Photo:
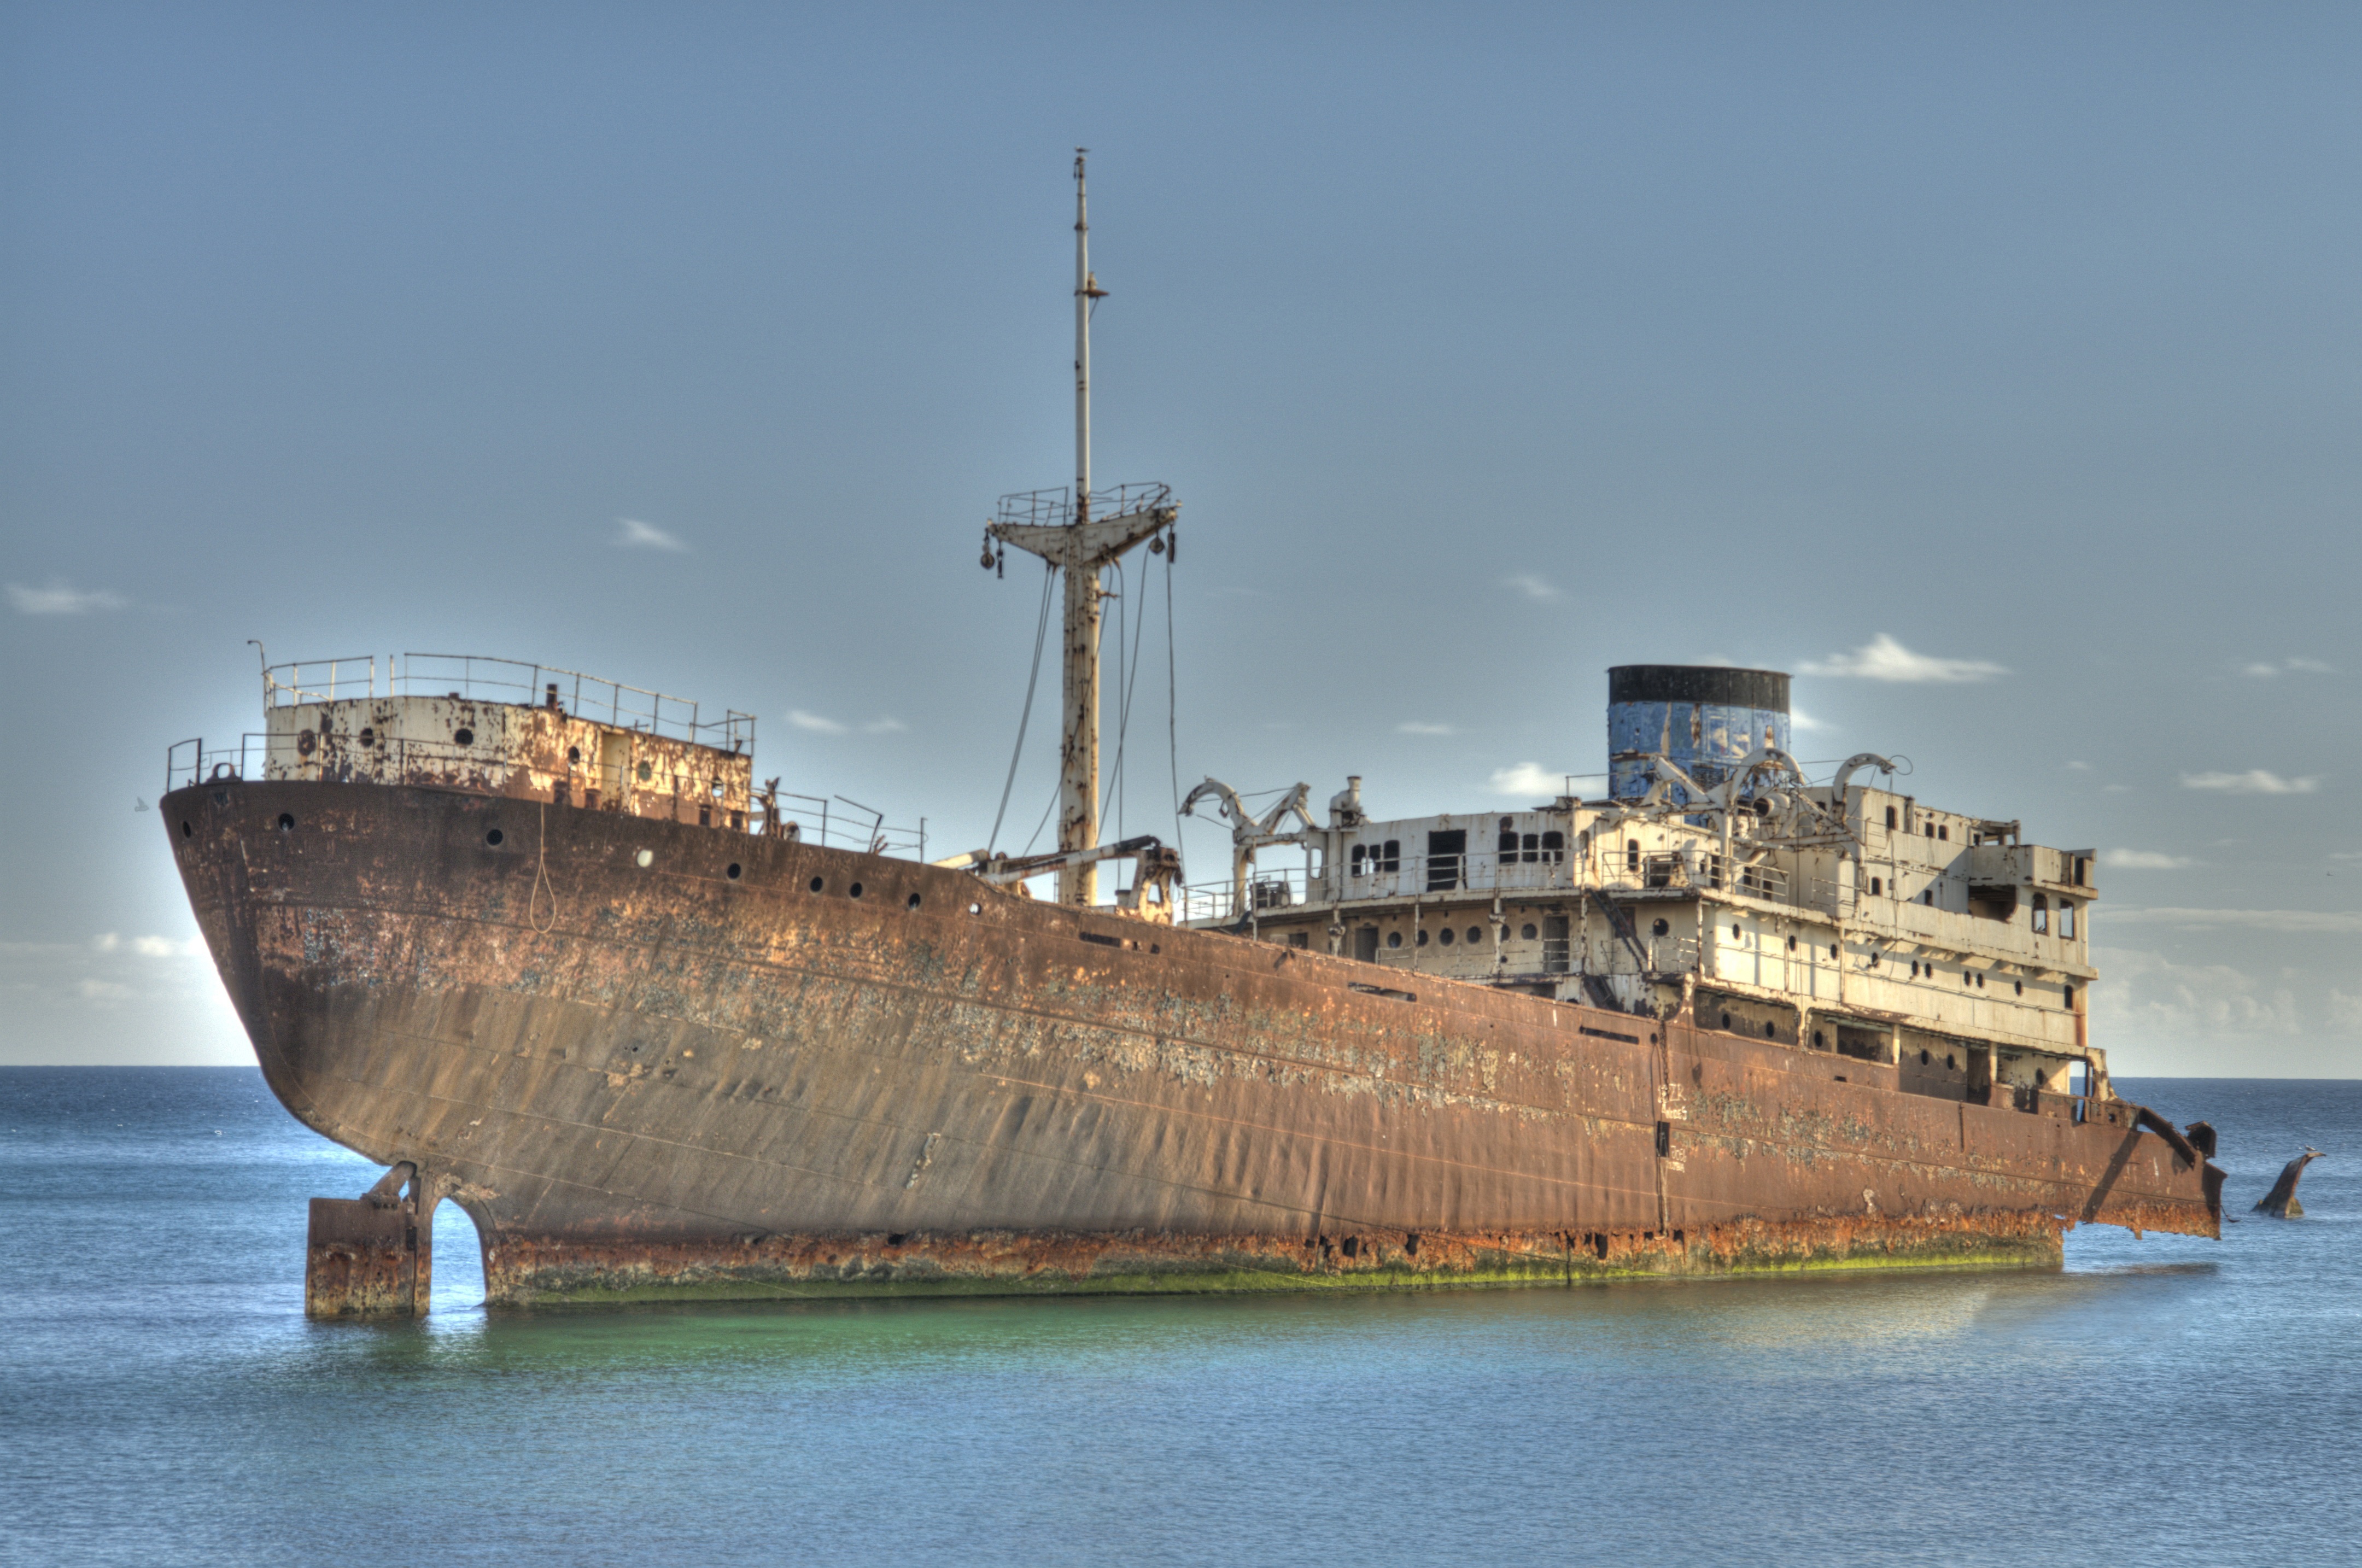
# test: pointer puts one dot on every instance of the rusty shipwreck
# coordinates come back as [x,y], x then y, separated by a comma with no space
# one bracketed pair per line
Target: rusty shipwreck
[539,944]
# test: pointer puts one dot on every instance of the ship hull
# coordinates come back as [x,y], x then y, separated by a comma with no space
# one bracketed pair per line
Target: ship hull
[825,1073]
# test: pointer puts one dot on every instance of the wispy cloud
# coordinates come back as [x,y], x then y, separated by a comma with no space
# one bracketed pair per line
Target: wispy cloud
[2255,781]
[1805,722]
[2334,922]
[150,946]
[1539,589]
[2264,669]
[631,534]
[2079,767]
[2143,860]
[62,599]
[804,721]
[1883,658]
[1529,778]
[883,726]
[1413,727]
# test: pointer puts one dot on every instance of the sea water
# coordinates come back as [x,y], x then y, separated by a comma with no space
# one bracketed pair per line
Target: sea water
[163,1400]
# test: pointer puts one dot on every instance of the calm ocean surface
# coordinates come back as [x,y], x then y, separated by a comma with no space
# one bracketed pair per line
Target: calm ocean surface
[163,1400]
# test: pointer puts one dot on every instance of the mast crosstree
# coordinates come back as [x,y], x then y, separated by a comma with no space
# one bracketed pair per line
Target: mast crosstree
[1081,537]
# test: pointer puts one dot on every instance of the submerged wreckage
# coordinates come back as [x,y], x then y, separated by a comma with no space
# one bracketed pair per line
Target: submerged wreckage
[539,944]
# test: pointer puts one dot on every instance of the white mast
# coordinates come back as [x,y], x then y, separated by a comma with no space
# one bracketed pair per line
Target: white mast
[1080,547]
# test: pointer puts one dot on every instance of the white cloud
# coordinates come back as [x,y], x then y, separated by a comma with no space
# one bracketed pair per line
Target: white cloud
[883,726]
[2264,669]
[2143,860]
[2255,781]
[1413,727]
[61,598]
[1805,722]
[2149,998]
[2079,766]
[165,947]
[1538,589]
[2287,923]
[633,534]
[2260,671]
[804,721]
[1883,658]
[1529,778]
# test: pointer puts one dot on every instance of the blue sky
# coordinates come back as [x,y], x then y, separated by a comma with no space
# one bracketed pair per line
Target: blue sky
[1994,368]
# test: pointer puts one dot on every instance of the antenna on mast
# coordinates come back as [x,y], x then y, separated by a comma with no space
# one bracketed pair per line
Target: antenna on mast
[1069,533]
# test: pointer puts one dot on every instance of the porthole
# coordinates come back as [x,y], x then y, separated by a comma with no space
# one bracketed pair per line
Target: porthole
[303,743]
[494,837]
[1659,928]
[1394,939]
[1422,938]
[912,902]
[646,772]
[854,890]
[368,738]
[1153,947]
[464,735]
[573,753]
[1527,931]
[1443,936]
[1816,1040]
[1726,1020]
[645,858]
[1923,1058]
[1948,1062]
[817,884]
[733,872]
[188,831]
[1476,936]
[1771,1032]
[286,822]
[2021,988]
[976,908]
[1736,935]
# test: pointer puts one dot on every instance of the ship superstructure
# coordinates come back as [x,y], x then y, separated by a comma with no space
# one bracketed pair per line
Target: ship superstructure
[1715,881]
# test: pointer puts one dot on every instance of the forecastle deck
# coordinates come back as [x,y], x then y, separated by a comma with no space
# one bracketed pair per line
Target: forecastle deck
[760,1067]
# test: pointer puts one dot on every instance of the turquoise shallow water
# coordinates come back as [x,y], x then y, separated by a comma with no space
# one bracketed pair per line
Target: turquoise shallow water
[163,1400]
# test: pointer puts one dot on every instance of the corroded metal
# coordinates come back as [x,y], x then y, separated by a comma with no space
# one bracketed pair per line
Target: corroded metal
[757,1065]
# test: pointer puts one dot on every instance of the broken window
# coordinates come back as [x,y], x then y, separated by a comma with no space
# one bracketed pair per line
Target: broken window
[1553,847]
[1445,851]
[2041,915]
[1945,833]
[1361,855]
[1891,819]
[1392,859]
[2066,920]
[1557,948]
[1631,854]
[1508,847]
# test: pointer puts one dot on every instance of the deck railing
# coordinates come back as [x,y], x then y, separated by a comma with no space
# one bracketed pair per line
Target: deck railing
[476,677]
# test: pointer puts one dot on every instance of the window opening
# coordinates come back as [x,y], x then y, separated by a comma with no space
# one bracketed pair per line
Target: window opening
[2041,915]
[1891,819]
[1553,847]
[2066,920]
[1445,851]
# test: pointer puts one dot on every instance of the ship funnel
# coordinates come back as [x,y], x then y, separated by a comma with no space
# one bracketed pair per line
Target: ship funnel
[1704,719]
